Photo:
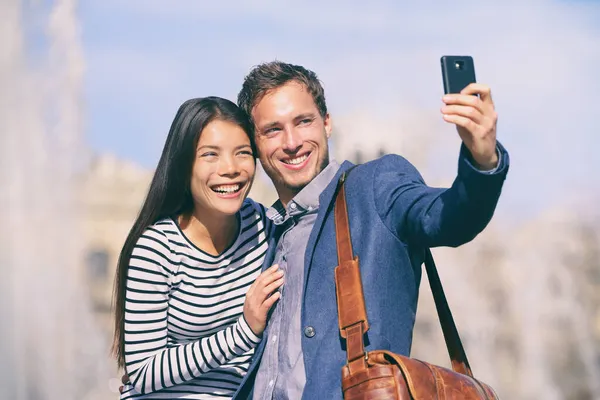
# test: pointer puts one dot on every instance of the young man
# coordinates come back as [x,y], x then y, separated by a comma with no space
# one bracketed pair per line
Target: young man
[393,217]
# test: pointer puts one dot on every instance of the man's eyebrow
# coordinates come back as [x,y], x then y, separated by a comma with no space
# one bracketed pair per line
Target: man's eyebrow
[304,116]
[296,119]
[270,125]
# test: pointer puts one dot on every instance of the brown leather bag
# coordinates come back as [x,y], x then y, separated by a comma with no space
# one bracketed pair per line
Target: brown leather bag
[382,374]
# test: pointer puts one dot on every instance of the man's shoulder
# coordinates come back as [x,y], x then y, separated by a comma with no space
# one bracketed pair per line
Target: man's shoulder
[386,163]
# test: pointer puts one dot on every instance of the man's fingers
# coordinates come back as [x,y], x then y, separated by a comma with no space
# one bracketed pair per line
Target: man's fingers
[463,111]
[484,92]
[463,122]
[464,100]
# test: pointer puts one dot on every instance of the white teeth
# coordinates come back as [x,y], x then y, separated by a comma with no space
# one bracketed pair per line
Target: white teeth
[296,161]
[227,188]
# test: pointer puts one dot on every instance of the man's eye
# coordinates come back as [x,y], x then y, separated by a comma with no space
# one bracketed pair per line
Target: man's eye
[306,121]
[271,130]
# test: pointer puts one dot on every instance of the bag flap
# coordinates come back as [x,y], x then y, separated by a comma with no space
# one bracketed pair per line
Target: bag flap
[424,379]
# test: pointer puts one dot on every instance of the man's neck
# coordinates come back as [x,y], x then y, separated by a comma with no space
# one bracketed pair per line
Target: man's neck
[286,195]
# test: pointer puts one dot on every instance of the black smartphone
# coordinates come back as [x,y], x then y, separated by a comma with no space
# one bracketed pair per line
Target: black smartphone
[457,73]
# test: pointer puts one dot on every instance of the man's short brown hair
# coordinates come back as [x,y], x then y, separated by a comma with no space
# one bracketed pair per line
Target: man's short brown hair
[268,76]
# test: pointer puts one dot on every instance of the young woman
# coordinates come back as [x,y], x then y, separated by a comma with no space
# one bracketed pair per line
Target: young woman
[190,300]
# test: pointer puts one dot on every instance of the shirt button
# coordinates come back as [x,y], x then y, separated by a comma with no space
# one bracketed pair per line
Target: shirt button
[271,382]
[309,331]
[274,339]
[293,206]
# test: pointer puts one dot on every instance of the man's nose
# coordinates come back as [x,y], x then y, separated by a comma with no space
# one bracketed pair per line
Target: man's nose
[291,140]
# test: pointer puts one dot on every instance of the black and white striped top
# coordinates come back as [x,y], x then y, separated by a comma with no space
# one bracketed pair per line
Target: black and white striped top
[185,334]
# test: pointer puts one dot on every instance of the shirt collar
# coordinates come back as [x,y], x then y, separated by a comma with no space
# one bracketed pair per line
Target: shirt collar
[307,200]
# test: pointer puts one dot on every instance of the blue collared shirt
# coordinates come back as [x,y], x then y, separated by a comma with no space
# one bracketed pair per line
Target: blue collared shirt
[281,373]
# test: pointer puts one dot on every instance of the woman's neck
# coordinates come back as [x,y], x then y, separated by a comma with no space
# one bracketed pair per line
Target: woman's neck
[212,234]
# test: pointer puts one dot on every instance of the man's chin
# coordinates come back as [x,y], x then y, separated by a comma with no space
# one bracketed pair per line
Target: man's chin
[292,182]
[296,185]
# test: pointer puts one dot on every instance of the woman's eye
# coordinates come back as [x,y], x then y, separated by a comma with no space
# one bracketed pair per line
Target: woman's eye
[209,154]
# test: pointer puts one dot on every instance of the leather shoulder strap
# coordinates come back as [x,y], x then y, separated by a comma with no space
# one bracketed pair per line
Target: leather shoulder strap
[352,315]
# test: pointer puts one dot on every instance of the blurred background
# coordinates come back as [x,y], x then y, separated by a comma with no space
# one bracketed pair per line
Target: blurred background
[87,94]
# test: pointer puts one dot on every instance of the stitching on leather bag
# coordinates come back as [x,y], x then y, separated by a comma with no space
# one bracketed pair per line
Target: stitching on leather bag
[439,381]
[480,388]
[433,373]
[477,385]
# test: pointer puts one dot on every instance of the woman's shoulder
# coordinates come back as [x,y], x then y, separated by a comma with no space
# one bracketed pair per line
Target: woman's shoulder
[158,233]
[255,213]
[250,206]
[162,227]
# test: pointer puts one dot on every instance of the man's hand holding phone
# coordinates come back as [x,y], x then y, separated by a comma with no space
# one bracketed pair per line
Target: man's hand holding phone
[469,106]
[475,118]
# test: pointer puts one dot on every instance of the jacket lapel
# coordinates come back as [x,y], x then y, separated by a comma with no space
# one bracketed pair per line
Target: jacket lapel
[325,200]
[270,256]
[268,261]
[273,239]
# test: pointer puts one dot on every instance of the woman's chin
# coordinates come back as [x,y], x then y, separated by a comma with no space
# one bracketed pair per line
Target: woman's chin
[228,207]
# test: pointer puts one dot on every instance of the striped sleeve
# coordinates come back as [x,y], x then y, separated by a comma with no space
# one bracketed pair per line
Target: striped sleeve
[150,363]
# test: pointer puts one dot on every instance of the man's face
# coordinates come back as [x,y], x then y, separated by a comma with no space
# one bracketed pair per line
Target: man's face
[291,137]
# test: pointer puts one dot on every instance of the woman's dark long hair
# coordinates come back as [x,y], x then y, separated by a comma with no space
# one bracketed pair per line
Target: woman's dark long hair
[169,194]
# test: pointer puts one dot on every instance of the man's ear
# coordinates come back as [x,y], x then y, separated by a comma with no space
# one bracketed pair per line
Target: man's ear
[328,125]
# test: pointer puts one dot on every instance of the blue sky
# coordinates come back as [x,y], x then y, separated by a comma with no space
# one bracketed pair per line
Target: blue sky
[380,66]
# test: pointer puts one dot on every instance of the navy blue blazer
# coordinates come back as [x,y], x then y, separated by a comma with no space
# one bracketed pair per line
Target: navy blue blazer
[393,218]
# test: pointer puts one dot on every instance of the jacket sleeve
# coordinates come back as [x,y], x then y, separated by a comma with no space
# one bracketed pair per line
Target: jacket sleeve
[431,217]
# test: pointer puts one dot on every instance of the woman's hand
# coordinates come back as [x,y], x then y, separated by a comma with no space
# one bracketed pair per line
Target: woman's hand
[260,298]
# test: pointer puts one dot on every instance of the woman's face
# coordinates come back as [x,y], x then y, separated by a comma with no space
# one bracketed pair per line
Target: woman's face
[223,169]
